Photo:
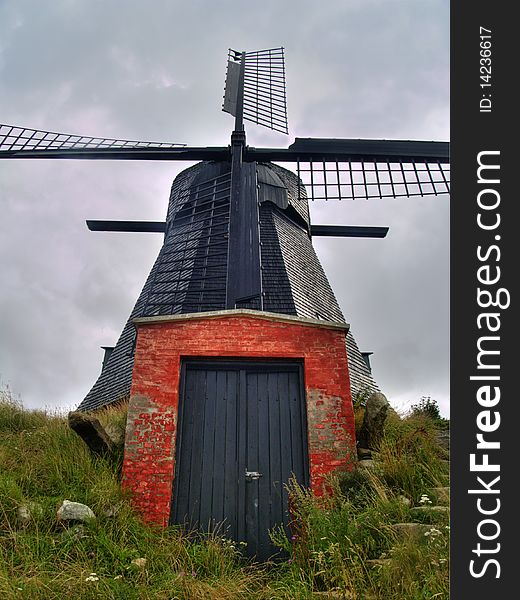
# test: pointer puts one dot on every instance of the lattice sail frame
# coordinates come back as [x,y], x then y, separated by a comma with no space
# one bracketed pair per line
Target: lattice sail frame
[14,138]
[264,92]
[349,180]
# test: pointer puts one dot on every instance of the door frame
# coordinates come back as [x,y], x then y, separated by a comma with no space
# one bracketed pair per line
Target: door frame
[295,364]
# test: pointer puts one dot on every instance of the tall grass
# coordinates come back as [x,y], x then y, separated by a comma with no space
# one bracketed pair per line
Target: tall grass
[42,462]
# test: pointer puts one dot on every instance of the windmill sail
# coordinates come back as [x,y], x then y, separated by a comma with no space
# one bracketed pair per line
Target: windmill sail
[15,139]
[350,169]
[226,248]
[330,169]
[231,89]
[255,88]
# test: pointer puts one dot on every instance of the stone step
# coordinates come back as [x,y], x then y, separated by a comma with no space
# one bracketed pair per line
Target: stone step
[414,531]
[430,510]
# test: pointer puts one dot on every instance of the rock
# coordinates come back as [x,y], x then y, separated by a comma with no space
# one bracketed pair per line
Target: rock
[411,530]
[116,434]
[430,510]
[366,464]
[91,432]
[75,511]
[75,533]
[376,411]
[404,500]
[139,562]
[29,512]
[364,453]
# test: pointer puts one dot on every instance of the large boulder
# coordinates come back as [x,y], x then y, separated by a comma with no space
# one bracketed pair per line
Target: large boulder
[91,432]
[376,411]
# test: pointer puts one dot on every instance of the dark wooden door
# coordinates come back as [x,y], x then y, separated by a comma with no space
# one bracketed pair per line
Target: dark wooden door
[242,433]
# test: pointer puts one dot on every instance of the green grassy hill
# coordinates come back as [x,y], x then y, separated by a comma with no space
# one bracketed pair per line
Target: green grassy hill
[344,545]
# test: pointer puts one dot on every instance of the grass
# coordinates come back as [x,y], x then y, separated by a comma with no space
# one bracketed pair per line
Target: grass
[42,462]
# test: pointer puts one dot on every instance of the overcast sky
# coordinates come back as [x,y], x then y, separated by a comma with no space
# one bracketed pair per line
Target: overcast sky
[155,71]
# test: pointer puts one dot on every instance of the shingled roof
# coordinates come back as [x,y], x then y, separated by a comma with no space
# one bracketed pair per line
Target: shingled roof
[189,274]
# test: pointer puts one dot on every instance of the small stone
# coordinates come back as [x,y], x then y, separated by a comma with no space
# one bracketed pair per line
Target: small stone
[364,453]
[411,530]
[404,500]
[366,464]
[29,511]
[139,562]
[76,533]
[74,511]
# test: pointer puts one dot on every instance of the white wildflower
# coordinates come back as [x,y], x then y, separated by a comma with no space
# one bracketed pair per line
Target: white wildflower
[434,532]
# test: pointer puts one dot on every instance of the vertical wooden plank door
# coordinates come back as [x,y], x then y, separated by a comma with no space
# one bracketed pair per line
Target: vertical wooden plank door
[242,433]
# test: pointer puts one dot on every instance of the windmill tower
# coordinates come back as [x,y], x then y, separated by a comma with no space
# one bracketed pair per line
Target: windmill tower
[238,362]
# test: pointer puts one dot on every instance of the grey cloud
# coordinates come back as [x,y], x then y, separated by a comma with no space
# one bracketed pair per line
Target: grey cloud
[155,71]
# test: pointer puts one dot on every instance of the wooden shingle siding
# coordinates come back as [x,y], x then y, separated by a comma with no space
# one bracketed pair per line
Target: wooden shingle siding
[293,279]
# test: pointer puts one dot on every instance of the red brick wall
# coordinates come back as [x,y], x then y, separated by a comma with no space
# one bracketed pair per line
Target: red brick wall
[148,467]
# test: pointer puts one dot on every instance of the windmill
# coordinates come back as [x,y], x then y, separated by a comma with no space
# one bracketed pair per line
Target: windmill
[238,238]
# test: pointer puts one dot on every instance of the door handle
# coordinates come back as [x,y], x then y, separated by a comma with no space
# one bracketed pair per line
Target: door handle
[252,475]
